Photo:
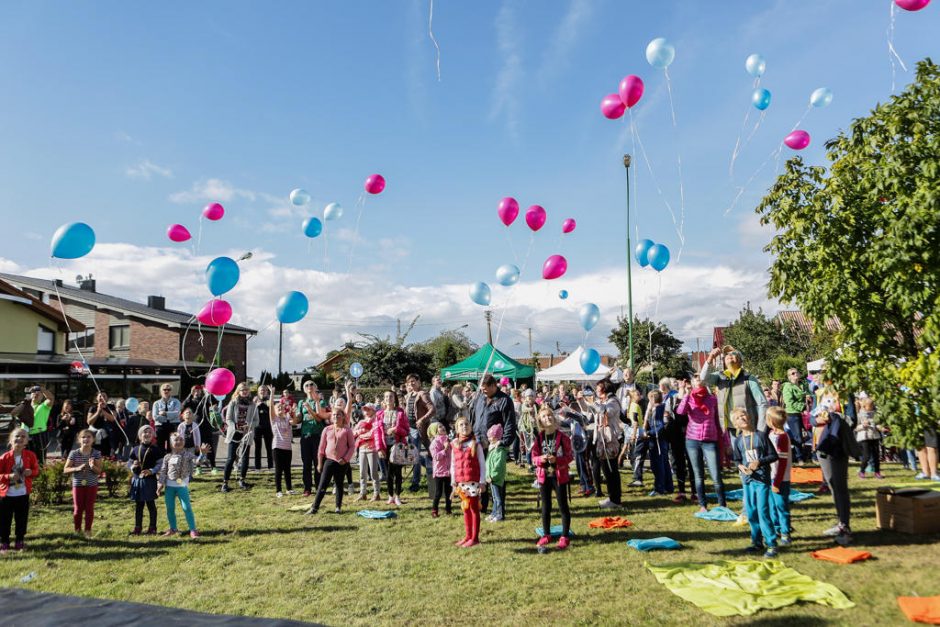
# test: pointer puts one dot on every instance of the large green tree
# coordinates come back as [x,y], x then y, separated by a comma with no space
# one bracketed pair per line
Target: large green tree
[653,345]
[859,241]
[387,362]
[762,340]
[447,348]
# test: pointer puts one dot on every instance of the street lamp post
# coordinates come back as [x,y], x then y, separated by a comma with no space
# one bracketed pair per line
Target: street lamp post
[626,165]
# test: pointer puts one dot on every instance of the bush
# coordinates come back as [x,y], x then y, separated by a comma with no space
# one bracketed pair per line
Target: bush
[52,486]
[782,363]
[116,475]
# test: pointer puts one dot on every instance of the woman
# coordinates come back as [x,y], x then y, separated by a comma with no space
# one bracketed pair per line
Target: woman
[702,437]
[241,418]
[120,441]
[312,415]
[101,419]
[395,427]
[67,428]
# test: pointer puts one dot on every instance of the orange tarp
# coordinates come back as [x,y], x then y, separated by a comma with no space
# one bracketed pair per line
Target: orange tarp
[921,609]
[841,555]
[609,522]
[805,475]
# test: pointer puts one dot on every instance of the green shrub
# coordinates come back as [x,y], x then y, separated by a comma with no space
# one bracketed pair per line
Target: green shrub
[116,477]
[51,484]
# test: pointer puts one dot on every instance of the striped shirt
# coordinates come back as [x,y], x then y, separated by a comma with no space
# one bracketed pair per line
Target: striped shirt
[83,478]
[281,430]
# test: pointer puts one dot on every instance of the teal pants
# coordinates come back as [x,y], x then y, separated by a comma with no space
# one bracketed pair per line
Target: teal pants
[758,509]
[170,496]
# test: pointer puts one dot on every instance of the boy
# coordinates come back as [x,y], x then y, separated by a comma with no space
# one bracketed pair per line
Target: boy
[780,473]
[753,454]
[496,472]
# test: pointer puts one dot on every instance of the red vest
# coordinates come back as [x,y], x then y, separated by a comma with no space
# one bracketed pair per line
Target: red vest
[466,464]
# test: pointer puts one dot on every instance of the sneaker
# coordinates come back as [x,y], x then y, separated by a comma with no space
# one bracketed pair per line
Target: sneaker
[844,538]
[920,475]
[752,550]
[862,475]
[653,493]
[152,531]
[784,539]
[19,546]
[306,493]
[434,513]
[390,501]
[224,488]
[398,501]
[360,497]
[741,521]
[878,475]
[337,511]
[771,552]
[193,533]
[490,518]
[169,533]
[198,471]
[535,484]
[279,494]
[588,492]
[832,531]
[935,478]
[607,504]
[679,498]
[374,497]
[543,541]
[414,487]
[215,471]
[702,510]
[563,542]
[243,486]
[135,532]
[635,484]
[470,543]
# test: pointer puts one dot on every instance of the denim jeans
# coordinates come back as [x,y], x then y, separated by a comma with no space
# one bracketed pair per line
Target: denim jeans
[795,431]
[243,462]
[414,437]
[757,507]
[499,498]
[701,453]
[659,462]
[584,475]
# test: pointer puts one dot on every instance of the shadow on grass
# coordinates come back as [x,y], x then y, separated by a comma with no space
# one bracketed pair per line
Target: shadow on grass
[779,621]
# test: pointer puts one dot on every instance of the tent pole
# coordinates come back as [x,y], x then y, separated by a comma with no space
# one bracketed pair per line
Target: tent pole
[626,165]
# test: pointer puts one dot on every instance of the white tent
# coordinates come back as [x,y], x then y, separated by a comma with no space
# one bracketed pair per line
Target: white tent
[570,370]
[815,366]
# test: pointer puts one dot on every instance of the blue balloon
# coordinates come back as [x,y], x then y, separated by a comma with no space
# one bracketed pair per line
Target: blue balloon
[821,97]
[590,361]
[221,275]
[659,257]
[755,65]
[507,274]
[299,197]
[333,211]
[761,98]
[72,240]
[355,370]
[641,251]
[312,227]
[563,294]
[589,314]
[660,53]
[131,404]
[480,293]
[292,307]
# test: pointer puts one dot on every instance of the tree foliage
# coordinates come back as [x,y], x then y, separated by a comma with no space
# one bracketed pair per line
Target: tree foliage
[859,240]
[653,345]
[761,341]
[447,348]
[386,362]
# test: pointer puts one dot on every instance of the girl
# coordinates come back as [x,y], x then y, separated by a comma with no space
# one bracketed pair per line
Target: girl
[868,435]
[66,428]
[527,426]
[395,430]
[551,454]
[189,431]
[337,447]
[18,466]
[241,418]
[282,430]
[702,438]
[468,475]
[654,425]
[753,454]
[84,464]
[496,472]
[366,433]
[440,461]
[144,462]
[174,475]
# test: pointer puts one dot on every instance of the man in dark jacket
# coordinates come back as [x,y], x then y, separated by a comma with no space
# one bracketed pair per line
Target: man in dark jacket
[491,406]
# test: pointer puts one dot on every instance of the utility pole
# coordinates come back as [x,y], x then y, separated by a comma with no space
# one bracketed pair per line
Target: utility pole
[531,355]
[626,166]
[398,332]
[489,327]
[280,346]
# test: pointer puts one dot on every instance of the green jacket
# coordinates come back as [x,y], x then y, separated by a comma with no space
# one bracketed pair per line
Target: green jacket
[496,465]
[794,398]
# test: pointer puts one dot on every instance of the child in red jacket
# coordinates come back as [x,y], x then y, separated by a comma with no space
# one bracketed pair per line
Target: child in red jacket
[468,476]
[551,454]
[18,466]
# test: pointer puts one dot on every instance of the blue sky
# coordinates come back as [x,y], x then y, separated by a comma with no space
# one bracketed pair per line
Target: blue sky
[131,116]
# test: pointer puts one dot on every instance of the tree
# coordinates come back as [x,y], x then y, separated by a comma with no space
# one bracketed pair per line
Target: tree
[653,345]
[447,348]
[759,339]
[385,362]
[859,240]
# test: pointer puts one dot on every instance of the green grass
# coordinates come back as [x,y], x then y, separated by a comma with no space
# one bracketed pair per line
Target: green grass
[256,558]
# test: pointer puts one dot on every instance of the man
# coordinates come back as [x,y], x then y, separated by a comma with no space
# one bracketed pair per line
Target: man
[101,419]
[420,412]
[491,406]
[201,404]
[795,397]
[263,433]
[166,415]
[627,383]
[736,388]
[608,424]
[41,400]
[313,415]
[440,401]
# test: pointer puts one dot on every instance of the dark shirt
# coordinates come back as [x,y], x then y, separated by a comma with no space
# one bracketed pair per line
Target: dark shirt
[498,411]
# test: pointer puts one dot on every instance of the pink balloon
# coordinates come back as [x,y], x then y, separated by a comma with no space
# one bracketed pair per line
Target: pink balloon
[220,381]
[375,184]
[797,140]
[912,5]
[631,90]
[213,211]
[504,381]
[215,313]
[568,225]
[178,233]
[535,217]
[554,267]
[612,106]
[508,210]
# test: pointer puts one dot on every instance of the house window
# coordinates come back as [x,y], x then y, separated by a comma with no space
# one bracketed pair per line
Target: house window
[45,343]
[120,337]
[81,339]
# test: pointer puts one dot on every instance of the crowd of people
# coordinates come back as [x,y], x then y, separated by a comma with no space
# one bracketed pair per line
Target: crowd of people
[462,439]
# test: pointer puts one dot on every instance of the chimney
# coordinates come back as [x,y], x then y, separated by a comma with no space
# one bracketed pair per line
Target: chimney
[156,302]
[59,283]
[87,284]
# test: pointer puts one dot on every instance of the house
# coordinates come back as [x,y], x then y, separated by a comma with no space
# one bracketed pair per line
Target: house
[130,348]
[333,366]
[799,319]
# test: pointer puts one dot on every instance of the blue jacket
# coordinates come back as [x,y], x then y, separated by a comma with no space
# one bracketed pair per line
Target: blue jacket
[764,452]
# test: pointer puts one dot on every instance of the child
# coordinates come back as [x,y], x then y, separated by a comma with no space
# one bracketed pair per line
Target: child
[18,466]
[192,441]
[496,472]
[753,454]
[654,424]
[173,477]
[144,462]
[337,446]
[439,449]
[84,464]
[468,476]
[282,422]
[868,435]
[780,473]
[365,434]
[395,430]
[551,454]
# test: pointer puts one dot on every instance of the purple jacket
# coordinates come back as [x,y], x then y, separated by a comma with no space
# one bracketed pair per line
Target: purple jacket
[702,426]
[440,455]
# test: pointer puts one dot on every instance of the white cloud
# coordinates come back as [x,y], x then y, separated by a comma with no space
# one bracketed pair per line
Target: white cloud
[146,169]
[509,78]
[122,136]
[566,37]
[212,189]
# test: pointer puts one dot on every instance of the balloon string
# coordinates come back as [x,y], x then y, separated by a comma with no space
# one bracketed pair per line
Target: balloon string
[633,188]
[433,40]
[757,124]
[675,128]
[737,144]
[892,53]
[360,203]
[659,190]
[199,236]
[512,248]
[773,155]
[68,327]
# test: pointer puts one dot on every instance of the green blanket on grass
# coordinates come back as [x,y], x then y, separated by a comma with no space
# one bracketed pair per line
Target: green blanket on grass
[730,588]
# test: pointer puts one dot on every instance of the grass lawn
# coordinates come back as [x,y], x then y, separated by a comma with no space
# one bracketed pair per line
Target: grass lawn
[257,558]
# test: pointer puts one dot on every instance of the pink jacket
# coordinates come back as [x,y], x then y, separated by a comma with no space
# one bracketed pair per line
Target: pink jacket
[703,426]
[401,429]
[366,431]
[563,457]
[440,455]
[337,445]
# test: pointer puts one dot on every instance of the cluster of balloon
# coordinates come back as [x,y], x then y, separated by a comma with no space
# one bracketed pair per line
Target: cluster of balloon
[507,274]
[589,314]
[629,93]
[179,233]
[220,381]
[292,307]
[590,361]
[72,240]
[649,253]
[912,5]
[480,293]
[215,313]
[355,370]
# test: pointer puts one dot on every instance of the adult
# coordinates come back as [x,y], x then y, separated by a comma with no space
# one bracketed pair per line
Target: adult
[625,378]
[420,410]
[441,401]
[263,434]
[774,394]
[736,387]
[313,414]
[166,416]
[241,418]
[927,456]
[120,440]
[585,409]
[834,445]
[68,428]
[100,420]
[674,432]
[395,430]
[202,404]
[702,437]
[607,436]
[795,397]
[493,407]
[132,423]
[41,400]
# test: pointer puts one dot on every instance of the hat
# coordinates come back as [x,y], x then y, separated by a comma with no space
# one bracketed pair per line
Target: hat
[530,393]
[495,433]
[434,429]
[369,406]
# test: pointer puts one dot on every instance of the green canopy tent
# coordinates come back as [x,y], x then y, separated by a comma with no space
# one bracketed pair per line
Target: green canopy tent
[500,365]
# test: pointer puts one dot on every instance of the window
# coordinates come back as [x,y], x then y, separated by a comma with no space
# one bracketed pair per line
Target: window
[120,337]
[45,343]
[82,339]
